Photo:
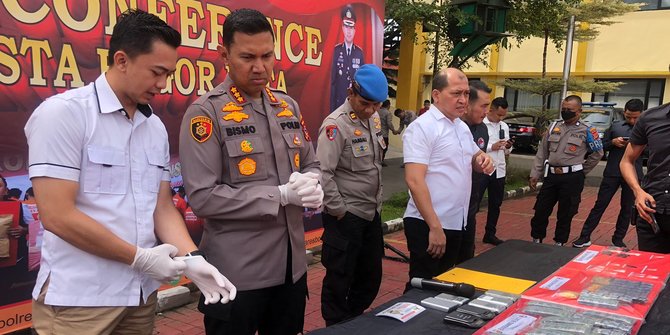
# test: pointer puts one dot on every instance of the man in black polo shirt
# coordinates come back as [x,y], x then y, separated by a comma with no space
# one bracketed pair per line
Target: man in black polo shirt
[651,199]
[615,141]
[478,105]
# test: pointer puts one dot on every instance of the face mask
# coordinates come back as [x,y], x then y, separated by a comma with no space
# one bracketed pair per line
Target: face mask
[567,114]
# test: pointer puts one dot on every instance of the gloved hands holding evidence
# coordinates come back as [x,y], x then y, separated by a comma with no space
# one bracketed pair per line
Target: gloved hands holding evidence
[158,264]
[212,284]
[302,189]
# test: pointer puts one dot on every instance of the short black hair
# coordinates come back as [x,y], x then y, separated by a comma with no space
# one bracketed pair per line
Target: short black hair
[245,20]
[386,103]
[634,105]
[499,102]
[29,193]
[574,98]
[397,112]
[136,30]
[14,193]
[475,87]
[426,102]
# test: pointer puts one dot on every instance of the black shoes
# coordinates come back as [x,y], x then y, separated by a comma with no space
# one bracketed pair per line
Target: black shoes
[492,240]
[581,242]
[618,243]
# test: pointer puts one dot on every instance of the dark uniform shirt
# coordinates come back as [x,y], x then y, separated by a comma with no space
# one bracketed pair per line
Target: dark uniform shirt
[653,130]
[343,70]
[618,129]
[480,135]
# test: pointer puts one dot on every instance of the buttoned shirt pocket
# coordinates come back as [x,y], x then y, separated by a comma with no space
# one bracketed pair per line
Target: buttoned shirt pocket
[295,142]
[553,140]
[106,170]
[362,154]
[154,171]
[573,146]
[247,159]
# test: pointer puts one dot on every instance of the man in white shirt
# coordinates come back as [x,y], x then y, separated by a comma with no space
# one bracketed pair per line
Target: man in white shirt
[98,161]
[439,156]
[498,148]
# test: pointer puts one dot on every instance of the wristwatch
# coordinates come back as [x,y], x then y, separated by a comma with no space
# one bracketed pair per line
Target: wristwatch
[196,253]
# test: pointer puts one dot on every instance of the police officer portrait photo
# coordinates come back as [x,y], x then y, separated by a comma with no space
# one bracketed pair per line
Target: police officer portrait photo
[347,59]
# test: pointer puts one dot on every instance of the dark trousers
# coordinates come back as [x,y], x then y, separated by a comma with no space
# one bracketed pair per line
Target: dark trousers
[423,265]
[496,187]
[648,241]
[386,140]
[468,240]
[352,255]
[277,310]
[566,189]
[608,188]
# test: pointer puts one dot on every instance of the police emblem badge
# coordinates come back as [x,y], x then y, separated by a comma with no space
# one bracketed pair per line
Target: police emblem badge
[247,167]
[201,128]
[246,146]
[331,132]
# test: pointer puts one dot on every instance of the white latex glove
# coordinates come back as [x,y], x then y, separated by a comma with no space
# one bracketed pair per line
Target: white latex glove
[298,180]
[312,197]
[212,284]
[289,195]
[158,264]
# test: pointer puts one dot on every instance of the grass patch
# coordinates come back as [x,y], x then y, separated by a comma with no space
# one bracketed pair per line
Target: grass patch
[516,178]
[394,207]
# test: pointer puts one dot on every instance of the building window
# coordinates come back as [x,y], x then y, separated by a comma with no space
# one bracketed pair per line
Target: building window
[523,100]
[651,4]
[648,90]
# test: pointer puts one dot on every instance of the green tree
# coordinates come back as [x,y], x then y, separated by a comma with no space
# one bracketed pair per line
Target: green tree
[548,19]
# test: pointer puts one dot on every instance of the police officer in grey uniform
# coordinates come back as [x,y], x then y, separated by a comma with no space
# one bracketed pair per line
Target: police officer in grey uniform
[387,124]
[350,151]
[561,162]
[347,58]
[250,169]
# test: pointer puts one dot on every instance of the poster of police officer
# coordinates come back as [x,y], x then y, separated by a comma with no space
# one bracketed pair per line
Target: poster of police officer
[48,47]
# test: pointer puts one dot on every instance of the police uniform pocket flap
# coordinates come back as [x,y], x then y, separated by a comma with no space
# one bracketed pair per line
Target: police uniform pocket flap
[244,146]
[575,140]
[106,156]
[554,137]
[361,147]
[293,140]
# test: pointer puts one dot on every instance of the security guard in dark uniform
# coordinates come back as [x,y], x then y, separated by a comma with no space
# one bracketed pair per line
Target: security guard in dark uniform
[561,161]
[350,149]
[347,58]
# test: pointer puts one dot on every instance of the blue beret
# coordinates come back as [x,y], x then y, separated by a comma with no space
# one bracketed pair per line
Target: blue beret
[372,83]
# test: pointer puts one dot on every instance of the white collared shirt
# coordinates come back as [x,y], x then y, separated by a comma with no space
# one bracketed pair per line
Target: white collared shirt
[446,147]
[494,136]
[86,137]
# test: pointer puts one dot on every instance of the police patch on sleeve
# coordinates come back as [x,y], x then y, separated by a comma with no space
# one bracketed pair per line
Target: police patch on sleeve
[593,139]
[331,132]
[201,128]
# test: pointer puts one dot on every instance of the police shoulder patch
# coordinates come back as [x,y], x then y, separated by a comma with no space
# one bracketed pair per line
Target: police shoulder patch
[201,128]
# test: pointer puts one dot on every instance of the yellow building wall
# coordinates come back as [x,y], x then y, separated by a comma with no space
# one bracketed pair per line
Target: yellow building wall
[635,47]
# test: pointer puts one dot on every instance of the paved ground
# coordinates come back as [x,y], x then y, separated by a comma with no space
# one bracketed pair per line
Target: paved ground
[514,223]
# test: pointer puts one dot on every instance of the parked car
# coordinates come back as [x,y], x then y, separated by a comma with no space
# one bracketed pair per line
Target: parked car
[600,115]
[523,130]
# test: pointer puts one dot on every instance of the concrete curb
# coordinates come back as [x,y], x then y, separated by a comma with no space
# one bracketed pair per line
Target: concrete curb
[181,295]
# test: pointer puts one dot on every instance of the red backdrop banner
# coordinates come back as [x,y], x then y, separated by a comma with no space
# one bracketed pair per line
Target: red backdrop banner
[47,47]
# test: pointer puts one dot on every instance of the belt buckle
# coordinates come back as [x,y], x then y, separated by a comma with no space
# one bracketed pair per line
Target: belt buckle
[558,170]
